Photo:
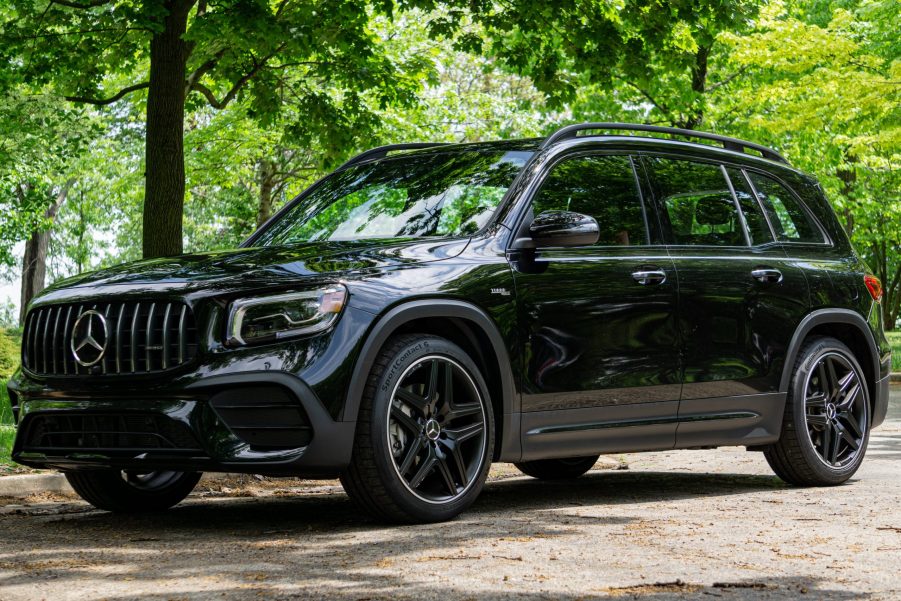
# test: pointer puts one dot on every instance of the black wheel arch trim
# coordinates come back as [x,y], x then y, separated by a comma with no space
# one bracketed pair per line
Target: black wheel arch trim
[825,317]
[388,323]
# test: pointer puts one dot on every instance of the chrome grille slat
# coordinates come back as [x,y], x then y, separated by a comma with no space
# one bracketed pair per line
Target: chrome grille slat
[118,341]
[45,346]
[182,337]
[148,337]
[110,341]
[165,359]
[53,351]
[65,348]
[34,339]
[133,339]
[141,338]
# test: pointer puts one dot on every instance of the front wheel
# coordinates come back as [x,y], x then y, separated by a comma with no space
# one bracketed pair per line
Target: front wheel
[132,492]
[826,425]
[425,433]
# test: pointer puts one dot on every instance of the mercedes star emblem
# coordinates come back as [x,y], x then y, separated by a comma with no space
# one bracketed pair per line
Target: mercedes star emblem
[89,337]
[432,429]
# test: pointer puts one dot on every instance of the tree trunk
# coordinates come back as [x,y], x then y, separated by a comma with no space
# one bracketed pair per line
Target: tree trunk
[164,188]
[267,177]
[34,263]
[699,86]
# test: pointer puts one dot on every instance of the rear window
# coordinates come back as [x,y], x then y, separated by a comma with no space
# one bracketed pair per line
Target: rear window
[790,221]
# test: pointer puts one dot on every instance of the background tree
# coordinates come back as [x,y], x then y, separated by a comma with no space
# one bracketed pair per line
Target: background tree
[823,83]
[41,145]
[319,57]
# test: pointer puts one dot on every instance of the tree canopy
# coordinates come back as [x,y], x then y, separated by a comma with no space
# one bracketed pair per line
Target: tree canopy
[186,123]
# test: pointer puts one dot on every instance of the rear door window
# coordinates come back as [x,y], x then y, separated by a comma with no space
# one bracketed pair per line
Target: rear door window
[696,200]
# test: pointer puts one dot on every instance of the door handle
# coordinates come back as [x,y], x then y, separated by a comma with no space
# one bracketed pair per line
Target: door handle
[767,275]
[649,277]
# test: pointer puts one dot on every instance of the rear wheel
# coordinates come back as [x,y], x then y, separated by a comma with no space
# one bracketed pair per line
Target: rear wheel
[826,425]
[132,492]
[557,469]
[425,433]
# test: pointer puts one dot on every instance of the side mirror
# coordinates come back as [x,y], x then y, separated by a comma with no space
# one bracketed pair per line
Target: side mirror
[560,228]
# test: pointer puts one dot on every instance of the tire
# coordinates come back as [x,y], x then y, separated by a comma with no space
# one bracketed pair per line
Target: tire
[122,492]
[826,425]
[422,448]
[557,469]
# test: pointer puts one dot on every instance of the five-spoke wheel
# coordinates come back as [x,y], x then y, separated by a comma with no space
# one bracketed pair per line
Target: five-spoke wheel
[425,433]
[827,417]
[436,429]
[836,410]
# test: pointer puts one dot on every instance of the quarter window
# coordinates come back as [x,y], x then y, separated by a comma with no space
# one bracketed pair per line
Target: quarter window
[696,200]
[789,219]
[603,187]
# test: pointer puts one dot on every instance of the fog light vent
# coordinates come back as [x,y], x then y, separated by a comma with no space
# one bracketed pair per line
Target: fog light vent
[265,417]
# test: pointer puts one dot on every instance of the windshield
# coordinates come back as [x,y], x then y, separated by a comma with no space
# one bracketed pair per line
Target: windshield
[438,194]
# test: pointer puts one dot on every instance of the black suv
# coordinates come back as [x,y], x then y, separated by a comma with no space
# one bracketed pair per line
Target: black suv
[427,309]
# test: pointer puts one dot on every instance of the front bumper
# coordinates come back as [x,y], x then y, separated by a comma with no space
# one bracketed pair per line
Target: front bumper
[258,422]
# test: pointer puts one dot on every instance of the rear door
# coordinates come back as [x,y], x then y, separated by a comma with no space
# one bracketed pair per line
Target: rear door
[738,301]
[602,361]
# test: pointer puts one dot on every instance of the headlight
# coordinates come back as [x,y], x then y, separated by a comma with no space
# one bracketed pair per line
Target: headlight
[270,318]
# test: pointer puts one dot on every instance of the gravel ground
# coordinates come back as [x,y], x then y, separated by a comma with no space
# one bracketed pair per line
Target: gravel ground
[687,524]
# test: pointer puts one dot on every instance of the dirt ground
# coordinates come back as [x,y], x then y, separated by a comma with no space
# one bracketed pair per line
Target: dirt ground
[687,524]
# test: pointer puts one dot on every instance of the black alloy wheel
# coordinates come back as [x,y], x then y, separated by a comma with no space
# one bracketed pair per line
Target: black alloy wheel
[836,410]
[436,429]
[425,433]
[826,424]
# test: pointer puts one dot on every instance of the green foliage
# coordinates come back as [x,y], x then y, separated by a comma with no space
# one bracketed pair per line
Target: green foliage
[7,429]
[10,341]
[40,140]
[821,84]
[894,339]
[6,413]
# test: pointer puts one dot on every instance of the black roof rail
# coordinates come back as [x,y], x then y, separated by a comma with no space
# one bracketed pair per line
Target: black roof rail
[381,152]
[571,131]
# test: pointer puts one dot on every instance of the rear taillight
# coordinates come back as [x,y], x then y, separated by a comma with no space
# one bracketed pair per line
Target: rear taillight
[874,286]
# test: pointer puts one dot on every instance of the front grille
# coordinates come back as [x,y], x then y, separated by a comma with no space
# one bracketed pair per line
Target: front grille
[141,337]
[106,432]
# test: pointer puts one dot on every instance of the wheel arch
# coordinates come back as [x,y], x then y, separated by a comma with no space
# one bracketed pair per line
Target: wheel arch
[466,325]
[846,326]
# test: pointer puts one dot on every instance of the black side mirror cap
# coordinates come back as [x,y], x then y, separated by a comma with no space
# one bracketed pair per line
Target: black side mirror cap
[560,228]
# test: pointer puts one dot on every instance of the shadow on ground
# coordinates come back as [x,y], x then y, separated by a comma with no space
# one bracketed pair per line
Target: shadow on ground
[318,545]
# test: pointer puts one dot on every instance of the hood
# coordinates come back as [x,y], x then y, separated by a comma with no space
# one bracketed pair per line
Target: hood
[258,267]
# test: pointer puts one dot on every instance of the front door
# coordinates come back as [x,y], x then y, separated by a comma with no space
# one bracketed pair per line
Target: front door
[601,369]
[739,300]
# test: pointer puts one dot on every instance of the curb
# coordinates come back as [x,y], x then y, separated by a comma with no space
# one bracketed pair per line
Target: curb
[895,377]
[32,484]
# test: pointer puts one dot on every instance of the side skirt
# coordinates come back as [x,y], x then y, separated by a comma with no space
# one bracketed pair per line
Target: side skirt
[722,421]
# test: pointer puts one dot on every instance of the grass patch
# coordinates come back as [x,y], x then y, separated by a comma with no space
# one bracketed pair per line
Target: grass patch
[894,339]
[7,435]
[7,429]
